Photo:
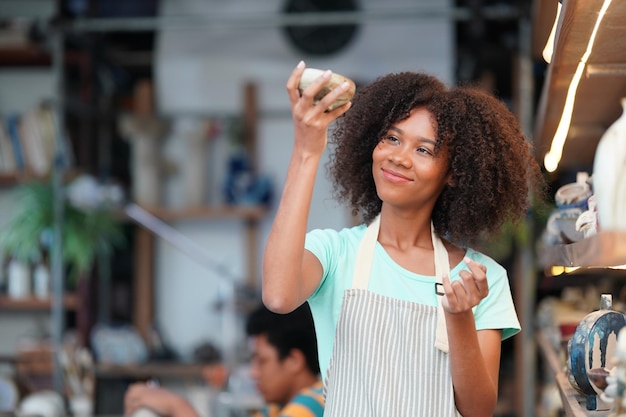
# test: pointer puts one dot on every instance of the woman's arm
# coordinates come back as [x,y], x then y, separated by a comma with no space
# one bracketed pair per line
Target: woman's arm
[475,364]
[291,274]
[474,356]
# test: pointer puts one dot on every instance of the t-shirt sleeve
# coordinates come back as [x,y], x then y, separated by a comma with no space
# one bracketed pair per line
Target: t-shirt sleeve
[497,310]
[324,244]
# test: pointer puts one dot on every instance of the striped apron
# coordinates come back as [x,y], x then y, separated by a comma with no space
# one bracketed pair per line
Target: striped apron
[384,361]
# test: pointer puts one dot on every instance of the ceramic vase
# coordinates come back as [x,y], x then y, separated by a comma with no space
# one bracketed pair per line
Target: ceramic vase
[195,165]
[591,348]
[146,170]
[617,380]
[41,281]
[145,134]
[18,279]
[609,175]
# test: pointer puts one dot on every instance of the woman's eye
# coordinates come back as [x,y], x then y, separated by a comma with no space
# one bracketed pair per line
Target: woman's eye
[391,138]
[424,150]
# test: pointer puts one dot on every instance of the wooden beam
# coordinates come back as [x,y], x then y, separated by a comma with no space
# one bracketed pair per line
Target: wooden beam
[143,285]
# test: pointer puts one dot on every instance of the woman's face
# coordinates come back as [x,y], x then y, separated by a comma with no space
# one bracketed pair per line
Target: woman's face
[407,172]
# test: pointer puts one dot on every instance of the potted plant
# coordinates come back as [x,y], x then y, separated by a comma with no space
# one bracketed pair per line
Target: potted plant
[86,233]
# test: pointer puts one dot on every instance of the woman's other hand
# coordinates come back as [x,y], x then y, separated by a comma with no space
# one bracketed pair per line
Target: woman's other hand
[465,293]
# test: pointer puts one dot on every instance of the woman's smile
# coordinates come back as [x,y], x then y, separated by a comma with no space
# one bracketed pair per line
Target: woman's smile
[394,176]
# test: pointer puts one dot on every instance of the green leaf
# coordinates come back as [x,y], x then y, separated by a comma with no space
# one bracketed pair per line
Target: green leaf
[86,234]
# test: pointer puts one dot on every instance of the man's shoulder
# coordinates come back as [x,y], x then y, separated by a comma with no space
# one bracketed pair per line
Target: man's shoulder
[313,390]
[309,402]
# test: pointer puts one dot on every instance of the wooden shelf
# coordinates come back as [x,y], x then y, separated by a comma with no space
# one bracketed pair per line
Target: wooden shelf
[70,302]
[208,212]
[605,249]
[150,370]
[573,401]
[601,86]
[24,56]
[34,56]
[9,179]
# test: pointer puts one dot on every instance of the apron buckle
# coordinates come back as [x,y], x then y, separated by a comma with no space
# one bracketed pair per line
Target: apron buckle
[437,290]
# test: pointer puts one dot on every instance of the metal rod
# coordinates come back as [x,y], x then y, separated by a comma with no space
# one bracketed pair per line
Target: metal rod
[525,281]
[277,19]
[179,241]
[57,322]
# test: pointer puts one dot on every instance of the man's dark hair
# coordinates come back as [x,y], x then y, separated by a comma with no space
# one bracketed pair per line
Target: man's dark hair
[285,332]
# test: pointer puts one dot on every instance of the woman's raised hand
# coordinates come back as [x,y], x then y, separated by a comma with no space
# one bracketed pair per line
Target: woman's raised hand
[311,120]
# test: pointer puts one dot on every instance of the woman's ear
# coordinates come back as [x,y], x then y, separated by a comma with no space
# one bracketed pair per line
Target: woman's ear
[450,182]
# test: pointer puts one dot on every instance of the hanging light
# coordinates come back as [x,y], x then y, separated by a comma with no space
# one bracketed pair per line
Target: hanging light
[553,157]
[549,48]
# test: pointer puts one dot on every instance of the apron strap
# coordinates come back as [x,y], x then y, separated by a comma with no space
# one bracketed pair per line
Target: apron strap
[363,268]
[442,268]
[365,256]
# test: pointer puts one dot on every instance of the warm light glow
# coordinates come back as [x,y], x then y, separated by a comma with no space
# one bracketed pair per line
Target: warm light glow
[549,48]
[557,270]
[560,270]
[553,157]
[550,162]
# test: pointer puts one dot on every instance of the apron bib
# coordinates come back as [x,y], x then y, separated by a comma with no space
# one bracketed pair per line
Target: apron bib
[390,356]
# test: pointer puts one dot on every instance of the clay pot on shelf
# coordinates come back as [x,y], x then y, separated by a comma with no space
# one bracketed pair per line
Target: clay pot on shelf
[591,348]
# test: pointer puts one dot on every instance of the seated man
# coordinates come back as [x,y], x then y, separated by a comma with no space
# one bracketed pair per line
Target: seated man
[284,366]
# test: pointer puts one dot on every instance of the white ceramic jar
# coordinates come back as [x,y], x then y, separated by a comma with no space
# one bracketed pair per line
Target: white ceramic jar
[18,279]
[609,175]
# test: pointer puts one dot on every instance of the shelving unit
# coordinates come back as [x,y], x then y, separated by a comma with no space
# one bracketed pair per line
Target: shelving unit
[247,213]
[250,216]
[58,60]
[601,65]
[143,313]
[606,249]
[27,56]
[603,250]
[603,81]
[573,402]
[153,370]
[70,303]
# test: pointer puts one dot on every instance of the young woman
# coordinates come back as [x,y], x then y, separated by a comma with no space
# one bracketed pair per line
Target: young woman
[409,319]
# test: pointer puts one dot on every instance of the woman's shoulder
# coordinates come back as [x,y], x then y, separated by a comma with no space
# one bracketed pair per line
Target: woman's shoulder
[347,234]
[493,267]
[331,246]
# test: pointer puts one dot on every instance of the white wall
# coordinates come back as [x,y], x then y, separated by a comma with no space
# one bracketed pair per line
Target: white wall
[202,72]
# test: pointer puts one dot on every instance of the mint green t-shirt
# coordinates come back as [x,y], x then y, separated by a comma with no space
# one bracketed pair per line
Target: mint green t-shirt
[336,251]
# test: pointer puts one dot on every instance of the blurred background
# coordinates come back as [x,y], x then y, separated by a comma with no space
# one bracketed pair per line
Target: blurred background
[167,123]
